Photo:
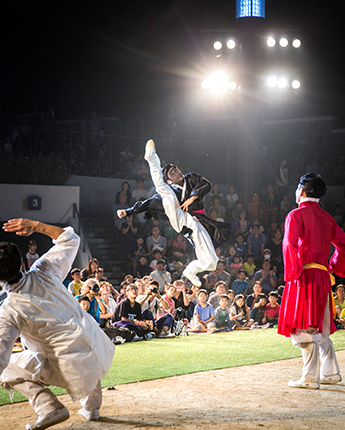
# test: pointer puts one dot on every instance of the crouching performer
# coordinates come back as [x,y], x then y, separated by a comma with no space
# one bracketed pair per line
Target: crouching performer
[307,307]
[64,345]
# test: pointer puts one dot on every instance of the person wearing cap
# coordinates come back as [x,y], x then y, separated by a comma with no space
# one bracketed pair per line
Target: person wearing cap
[307,308]
[63,342]
[180,199]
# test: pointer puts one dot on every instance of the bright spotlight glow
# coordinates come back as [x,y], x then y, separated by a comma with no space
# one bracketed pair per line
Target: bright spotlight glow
[296,43]
[272,82]
[217,45]
[271,42]
[231,44]
[205,85]
[232,85]
[219,83]
[283,42]
[295,84]
[281,83]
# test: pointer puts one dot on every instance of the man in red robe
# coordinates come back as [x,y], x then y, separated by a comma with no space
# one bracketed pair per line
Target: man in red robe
[307,306]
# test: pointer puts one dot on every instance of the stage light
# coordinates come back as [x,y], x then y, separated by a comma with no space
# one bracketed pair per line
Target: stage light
[281,83]
[232,85]
[231,44]
[272,82]
[296,84]
[217,45]
[296,43]
[205,85]
[219,83]
[283,42]
[271,42]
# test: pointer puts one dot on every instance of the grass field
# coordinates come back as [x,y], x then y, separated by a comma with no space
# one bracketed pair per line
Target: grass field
[160,358]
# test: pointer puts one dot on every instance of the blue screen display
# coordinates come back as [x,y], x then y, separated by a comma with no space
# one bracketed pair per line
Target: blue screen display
[247,8]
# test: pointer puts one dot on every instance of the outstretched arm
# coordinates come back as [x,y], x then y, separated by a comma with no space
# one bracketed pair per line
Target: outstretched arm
[25,227]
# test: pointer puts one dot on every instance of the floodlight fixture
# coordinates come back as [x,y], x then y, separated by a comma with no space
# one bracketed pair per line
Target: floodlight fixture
[281,83]
[219,83]
[272,82]
[217,45]
[283,42]
[232,85]
[231,44]
[296,43]
[271,42]
[296,84]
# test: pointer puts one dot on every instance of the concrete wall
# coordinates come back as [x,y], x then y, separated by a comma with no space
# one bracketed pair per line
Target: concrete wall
[57,202]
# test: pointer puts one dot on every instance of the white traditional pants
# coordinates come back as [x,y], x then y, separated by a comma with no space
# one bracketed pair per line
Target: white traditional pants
[204,249]
[315,347]
[28,373]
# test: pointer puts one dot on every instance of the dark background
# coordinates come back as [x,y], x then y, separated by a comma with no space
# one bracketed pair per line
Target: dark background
[136,58]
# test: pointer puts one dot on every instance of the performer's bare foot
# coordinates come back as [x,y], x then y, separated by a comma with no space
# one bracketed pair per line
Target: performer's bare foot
[149,149]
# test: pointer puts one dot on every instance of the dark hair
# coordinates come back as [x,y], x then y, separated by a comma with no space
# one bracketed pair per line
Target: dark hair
[202,291]
[166,169]
[313,185]
[32,242]
[155,251]
[93,260]
[75,270]
[238,308]
[260,296]
[83,298]
[10,262]
[155,283]
[273,293]
[161,261]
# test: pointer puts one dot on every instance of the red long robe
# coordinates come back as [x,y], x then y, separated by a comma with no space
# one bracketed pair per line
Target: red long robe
[309,232]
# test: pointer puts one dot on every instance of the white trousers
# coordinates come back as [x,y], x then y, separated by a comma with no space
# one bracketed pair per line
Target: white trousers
[25,381]
[204,249]
[315,347]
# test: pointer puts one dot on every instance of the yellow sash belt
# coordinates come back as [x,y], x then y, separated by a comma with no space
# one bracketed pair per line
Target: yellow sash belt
[320,266]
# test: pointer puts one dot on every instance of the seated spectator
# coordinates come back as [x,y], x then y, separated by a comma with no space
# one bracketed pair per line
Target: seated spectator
[180,298]
[285,207]
[257,289]
[241,246]
[129,231]
[156,241]
[90,269]
[270,233]
[192,295]
[267,277]
[250,267]
[121,205]
[125,191]
[128,315]
[84,302]
[215,191]
[255,208]
[258,222]
[168,297]
[267,254]
[339,299]
[257,312]
[123,292]
[232,253]
[221,274]
[240,285]
[31,256]
[97,307]
[176,270]
[98,274]
[161,275]
[157,255]
[180,242]
[222,316]
[141,286]
[211,280]
[216,204]
[276,247]
[338,217]
[272,205]
[241,225]
[139,193]
[256,243]
[231,199]
[75,285]
[214,297]
[235,267]
[213,214]
[231,295]
[109,302]
[140,247]
[236,211]
[152,305]
[142,268]
[240,313]
[272,309]
[203,313]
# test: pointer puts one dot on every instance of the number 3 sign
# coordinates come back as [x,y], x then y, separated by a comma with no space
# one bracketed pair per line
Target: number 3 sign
[34,203]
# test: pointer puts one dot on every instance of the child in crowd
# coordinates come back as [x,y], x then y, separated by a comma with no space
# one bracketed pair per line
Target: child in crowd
[231,294]
[31,256]
[222,317]
[232,253]
[204,313]
[168,298]
[157,255]
[241,246]
[210,281]
[239,313]
[235,266]
[143,269]
[250,267]
[75,285]
[240,285]
[180,242]
[272,309]
[84,302]
[257,313]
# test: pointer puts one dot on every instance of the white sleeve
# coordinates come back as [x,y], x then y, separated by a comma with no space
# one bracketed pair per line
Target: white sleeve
[59,259]
[8,335]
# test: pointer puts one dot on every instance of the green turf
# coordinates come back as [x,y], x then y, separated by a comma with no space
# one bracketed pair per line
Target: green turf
[159,358]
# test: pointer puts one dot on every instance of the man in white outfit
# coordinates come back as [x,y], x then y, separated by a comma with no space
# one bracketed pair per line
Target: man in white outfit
[66,347]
